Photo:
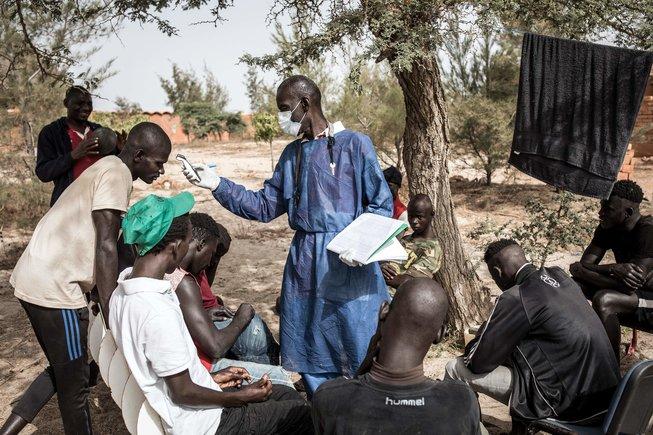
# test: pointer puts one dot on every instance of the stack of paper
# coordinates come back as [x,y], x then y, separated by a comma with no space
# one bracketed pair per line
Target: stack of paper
[371,238]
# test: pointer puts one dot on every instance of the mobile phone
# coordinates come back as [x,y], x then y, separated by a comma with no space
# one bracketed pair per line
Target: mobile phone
[186,164]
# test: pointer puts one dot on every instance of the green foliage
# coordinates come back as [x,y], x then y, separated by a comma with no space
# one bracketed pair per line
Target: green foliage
[233,122]
[185,86]
[32,86]
[481,130]
[266,129]
[200,103]
[261,96]
[374,105]
[118,121]
[481,83]
[202,119]
[127,115]
[552,225]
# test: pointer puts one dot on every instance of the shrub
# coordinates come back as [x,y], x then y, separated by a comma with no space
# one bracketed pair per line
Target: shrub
[551,227]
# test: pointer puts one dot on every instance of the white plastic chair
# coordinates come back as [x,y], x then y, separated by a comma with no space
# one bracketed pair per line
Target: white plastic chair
[137,413]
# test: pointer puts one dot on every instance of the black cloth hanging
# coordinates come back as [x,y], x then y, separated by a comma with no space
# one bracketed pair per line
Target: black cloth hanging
[576,111]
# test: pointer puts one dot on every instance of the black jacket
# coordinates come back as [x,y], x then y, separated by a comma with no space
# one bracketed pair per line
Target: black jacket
[562,363]
[53,159]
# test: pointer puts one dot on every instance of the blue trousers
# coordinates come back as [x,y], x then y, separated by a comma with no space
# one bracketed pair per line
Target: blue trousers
[277,374]
[255,344]
[313,380]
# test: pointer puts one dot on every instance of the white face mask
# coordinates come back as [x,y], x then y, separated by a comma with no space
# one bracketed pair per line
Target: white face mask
[287,125]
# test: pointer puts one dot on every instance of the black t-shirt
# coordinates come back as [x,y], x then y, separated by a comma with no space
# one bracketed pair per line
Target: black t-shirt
[365,406]
[627,246]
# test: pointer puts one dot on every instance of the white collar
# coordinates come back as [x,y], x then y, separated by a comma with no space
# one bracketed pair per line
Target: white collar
[523,266]
[142,284]
[82,136]
[332,129]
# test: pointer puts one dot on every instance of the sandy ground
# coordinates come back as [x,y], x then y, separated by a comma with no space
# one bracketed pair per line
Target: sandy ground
[251,272]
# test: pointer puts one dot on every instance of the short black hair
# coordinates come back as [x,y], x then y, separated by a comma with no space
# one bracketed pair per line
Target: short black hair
[177,231]
[392,175]
[629,190]
[76,90]
[225,237]
[205,228]
[495,247]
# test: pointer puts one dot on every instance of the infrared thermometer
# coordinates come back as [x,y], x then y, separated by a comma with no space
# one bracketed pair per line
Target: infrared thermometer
[187,166]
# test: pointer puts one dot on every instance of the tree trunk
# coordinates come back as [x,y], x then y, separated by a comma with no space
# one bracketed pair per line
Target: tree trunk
[425,152]
[398,148]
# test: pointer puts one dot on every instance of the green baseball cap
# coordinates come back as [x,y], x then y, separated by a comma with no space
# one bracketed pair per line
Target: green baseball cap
[148,220]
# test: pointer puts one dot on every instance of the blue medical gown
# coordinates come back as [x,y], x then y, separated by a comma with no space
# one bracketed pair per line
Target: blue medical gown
[329,310]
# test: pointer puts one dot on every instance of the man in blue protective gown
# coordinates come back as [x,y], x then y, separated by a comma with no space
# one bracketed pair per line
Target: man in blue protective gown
[324,180]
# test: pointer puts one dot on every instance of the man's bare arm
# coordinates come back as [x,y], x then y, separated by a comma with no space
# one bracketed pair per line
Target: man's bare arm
[212,341]
[107,227]
[623,277]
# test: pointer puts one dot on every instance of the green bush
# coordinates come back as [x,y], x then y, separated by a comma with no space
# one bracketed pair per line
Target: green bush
[552,225]
[119,121]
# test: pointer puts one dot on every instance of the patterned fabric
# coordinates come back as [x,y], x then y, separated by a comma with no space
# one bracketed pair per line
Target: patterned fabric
[424,257]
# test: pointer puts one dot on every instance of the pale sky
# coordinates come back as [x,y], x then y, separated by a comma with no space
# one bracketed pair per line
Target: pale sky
[143,53]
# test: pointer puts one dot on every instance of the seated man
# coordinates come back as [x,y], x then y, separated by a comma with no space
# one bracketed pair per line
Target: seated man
[619,291]
[542,327]
[424,252]
[390,394]
[149,329]
[244,334]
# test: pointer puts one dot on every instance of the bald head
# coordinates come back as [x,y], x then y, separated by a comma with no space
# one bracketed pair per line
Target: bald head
[298,87]
[148,135]
[421,200]
[107,140]
[411,323]
[147,148]
[504,258]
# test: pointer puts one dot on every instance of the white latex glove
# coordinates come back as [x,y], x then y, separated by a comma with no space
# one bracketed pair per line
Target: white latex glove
[208,179]
[346,257]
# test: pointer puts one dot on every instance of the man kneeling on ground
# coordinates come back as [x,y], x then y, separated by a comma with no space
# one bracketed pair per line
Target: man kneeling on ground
[149,328]
[245,334]
[541,326]
[391,395]
[618,289]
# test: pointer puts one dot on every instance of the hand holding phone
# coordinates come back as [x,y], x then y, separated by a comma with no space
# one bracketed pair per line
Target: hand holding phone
[186,166]
[200,175]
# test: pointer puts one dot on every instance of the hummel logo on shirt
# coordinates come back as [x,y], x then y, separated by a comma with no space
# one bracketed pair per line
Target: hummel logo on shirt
[404,402]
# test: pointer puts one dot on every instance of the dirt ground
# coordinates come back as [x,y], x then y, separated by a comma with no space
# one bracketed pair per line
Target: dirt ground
[252,270]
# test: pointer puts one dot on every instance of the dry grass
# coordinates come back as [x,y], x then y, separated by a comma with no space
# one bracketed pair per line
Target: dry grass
[24,199]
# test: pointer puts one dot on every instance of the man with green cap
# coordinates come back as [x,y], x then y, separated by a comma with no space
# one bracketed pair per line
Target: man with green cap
[148,326]
[73,248]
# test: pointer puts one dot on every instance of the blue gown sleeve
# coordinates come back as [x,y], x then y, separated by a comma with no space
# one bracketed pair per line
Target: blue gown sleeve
[263,206]
[377,197]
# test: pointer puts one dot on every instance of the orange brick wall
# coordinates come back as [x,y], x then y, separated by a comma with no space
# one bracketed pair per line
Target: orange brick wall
[171,124]
[626,171]
[643,141]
